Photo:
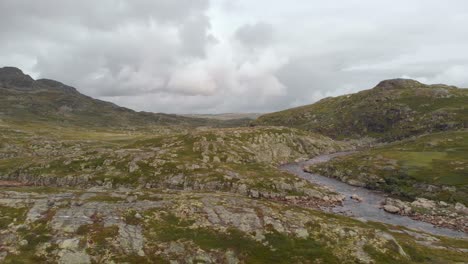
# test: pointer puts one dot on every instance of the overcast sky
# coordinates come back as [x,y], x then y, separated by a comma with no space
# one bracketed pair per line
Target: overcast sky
[202,56]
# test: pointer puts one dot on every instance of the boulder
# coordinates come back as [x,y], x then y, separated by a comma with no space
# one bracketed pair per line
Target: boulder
[461,208]
[356,197]
[424,203]
[391,209]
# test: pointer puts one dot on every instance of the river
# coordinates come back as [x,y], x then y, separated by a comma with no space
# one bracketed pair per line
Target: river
[367,210]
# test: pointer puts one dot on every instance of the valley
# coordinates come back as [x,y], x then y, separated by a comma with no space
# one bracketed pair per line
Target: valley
[374,177]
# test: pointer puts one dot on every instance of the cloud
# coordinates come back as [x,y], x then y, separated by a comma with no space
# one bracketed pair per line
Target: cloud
[233,56]
[256,35]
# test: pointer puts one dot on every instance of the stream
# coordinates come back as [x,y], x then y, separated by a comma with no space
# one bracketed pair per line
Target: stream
[367,210]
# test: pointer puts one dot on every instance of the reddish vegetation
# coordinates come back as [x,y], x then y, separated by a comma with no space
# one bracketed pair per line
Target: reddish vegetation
[11,184]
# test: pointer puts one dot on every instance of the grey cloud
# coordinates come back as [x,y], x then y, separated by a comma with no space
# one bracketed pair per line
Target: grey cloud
[255,35]
[233,56]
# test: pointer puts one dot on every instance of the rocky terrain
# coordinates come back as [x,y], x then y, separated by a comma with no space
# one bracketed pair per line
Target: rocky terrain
[239,160]
[393,110]
[86,181]
[128,226]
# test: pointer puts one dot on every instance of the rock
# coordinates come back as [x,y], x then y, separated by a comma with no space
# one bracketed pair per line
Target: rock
[356,197]
[254,194]
[74,258]
[23,243]
[131,239]
[302,233]
[3,255]
[461,208]
[424,203]
[131,198]
[132,167]
[356,183]
[70,244]
[391,209]
[230,257]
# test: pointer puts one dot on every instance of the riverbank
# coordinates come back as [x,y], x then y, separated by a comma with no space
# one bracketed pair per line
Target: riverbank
[369,206]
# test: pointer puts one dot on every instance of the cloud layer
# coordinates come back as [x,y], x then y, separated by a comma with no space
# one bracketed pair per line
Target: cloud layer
[204,56]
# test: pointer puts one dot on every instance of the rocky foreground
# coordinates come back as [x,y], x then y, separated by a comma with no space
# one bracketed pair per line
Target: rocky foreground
[128,226]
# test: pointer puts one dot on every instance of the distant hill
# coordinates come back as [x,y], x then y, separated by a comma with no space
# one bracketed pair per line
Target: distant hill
[24,99]
[392,110]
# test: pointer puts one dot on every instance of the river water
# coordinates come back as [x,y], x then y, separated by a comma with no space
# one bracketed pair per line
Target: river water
[367,210]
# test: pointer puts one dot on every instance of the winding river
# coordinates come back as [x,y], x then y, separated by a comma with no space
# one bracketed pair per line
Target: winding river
[367,210]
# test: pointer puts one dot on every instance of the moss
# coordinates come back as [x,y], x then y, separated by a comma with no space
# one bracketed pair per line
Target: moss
[385,257]
[98,238]
[35,233]
[281,249]
[105,198]
[421,254]
[12,215]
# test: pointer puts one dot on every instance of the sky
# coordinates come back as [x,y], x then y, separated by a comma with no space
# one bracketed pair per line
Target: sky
[220,56]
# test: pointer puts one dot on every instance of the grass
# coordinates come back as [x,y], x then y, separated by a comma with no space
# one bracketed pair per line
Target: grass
[438,159]
[9,215]
[386,114]
[281,248]
[35,234]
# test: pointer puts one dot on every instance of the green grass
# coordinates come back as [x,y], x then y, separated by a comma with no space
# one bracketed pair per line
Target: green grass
[9,215]
[36,233]
[281,249]
[438,159]
[384,113]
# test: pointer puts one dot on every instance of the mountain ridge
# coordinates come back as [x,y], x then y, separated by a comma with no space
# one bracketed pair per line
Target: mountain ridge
[23,98]
[392,110]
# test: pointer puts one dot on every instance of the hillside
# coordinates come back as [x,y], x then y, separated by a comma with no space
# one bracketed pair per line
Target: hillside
[238,160]
[392,110]
[27,100]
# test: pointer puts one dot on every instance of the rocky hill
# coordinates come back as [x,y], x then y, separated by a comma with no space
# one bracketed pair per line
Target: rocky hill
[392,110]
[27,100]
[240,160]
